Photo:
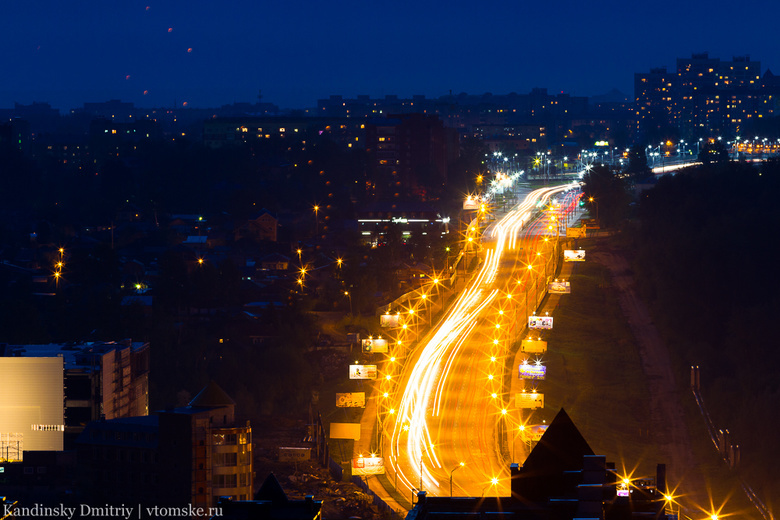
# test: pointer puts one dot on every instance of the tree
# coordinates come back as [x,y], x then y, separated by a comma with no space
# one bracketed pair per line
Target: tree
[637,162]
[609,193]
[713,152]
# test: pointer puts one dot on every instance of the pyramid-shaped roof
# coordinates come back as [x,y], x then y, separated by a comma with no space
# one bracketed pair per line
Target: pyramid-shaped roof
[561,448]
[271,490]
[212,396]
[560,451]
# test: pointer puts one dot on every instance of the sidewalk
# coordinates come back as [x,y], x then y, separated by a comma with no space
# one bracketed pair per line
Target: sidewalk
[367,440]
[518,447]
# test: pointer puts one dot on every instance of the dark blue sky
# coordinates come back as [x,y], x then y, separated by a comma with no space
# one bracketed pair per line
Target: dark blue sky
[297,51]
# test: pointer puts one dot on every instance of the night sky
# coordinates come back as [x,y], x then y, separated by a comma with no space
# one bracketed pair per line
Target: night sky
[157,53]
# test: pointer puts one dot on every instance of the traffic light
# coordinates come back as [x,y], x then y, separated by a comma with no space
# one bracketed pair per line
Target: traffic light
[582,202]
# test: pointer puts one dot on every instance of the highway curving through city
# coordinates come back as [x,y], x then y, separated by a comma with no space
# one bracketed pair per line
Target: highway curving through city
[453,414]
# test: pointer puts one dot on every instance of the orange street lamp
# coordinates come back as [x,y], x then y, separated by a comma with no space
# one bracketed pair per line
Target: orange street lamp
[453,471]
[348,295]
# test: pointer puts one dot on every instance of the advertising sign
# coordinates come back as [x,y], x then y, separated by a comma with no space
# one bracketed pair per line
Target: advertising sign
[368,466]
[533,346]
[294,454]
[362,371]
[540,322]
[345,430]
[573,255]
[374,345]
[389,320]
[535,371]
[534,432]
[530,400]
[559,288]
[351,400]
[471,203]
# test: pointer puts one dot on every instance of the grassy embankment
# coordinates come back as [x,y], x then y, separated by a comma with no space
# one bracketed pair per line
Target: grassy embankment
[594,372]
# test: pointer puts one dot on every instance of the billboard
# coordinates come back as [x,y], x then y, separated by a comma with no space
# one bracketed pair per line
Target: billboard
[534,432]
[368,466]
[471,203]
[362,371]
[557,287]
[540,322]
[351,400]
[533,346]
[389,320]
[31,405]
[294,454]
[374,345]
[530,400]
[535,371]
[573,255]
[345,430]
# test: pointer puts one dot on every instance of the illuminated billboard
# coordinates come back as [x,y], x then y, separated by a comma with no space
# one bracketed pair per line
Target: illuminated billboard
[362,371]
[533,346]
[471,203]
[557,287]
[31,403]
[540,322]
[534,371]
[374,345]
[351,400]
[368,466]
[389,320]
[530,400]
[344,430]
[573,255]
[534,432]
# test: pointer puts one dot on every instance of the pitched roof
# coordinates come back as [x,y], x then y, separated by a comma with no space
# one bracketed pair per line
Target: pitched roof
[212,396]
[559,452]
[271,490]
[561,448]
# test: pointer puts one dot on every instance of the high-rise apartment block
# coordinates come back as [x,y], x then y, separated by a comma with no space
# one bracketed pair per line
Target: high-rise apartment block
[95,380]
[703,97]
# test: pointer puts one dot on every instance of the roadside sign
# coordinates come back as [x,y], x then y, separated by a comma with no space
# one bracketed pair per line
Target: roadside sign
[345,431]
[374,345]
[294,454]
[351,400]
[530,400]
[533,346]
[362,371]
[540,322]
[532,371]
[368,466]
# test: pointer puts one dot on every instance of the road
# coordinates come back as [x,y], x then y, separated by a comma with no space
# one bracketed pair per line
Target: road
[451,403]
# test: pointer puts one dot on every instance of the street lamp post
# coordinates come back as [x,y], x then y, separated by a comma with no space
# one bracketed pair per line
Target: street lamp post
[594,201]
[453,471]
[348,295]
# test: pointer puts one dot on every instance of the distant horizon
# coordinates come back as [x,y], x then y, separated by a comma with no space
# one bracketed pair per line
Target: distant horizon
[179,104]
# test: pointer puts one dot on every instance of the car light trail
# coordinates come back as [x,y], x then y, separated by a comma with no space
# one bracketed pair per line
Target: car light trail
[438,357]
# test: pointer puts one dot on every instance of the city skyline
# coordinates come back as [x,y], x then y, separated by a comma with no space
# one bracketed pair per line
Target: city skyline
[296,53]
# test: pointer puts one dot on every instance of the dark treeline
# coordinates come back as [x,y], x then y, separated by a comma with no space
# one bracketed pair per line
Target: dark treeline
[706,260]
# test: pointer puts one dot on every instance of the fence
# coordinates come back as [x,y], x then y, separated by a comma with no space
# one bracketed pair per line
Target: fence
[384,509]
